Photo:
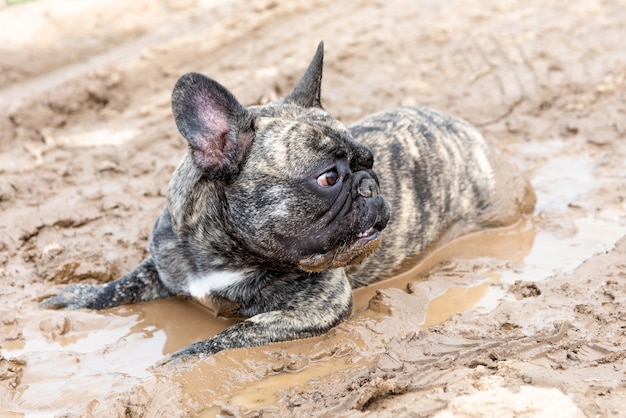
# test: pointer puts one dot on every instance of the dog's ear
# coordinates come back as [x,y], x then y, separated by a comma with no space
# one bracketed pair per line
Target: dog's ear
[307,92]
[217,127]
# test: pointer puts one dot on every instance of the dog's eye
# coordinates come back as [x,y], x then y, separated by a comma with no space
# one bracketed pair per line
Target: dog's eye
[329,178]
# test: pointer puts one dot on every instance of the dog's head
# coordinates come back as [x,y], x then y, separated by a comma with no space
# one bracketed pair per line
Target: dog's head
[297,191]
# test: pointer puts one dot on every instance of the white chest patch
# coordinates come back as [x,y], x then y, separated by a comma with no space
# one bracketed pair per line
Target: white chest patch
[201,286]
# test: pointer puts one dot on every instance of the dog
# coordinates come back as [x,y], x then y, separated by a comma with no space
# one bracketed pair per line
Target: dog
[276,213]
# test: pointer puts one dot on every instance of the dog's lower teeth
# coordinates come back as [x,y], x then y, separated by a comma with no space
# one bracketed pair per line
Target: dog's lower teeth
[365,233]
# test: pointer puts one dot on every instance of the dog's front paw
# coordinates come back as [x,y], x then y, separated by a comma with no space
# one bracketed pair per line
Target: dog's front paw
[75,296]
[181,356]
[200,350]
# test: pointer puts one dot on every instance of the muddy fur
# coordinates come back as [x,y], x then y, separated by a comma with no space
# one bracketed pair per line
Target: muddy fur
[274,209]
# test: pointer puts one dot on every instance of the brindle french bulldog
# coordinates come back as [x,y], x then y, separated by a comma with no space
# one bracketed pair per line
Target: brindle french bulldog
[274,209]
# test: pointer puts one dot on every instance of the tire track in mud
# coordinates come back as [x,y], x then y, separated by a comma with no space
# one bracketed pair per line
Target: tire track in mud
[144,66]
[62,46]
[188,33]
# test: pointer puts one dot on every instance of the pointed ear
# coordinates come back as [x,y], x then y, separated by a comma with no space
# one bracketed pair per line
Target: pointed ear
[216,126]
[308,90]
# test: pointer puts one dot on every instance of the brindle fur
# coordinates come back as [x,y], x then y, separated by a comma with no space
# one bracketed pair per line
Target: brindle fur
[240,211]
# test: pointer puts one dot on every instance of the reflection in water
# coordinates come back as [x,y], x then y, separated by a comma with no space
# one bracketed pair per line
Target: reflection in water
[562,179]
[511,244]
[456,299]
[251,379]
[181,321]
[550,255]
[70,363]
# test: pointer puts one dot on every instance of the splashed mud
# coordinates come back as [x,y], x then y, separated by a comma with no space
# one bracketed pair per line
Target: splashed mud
[507,320]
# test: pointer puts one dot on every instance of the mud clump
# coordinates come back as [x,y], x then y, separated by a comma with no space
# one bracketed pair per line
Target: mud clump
[11,371]
[525,290]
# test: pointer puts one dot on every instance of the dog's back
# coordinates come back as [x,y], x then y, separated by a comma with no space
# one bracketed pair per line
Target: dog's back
[441,181]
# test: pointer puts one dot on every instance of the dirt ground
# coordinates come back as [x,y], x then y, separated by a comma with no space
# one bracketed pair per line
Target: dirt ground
[523,321]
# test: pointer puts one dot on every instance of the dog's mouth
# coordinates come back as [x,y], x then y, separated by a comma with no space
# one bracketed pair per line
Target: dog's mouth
[352,253]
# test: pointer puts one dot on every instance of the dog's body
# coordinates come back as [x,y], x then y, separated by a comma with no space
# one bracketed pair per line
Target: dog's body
[274,209]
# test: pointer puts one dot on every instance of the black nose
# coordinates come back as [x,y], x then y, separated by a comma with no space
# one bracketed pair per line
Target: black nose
[368,188]
[364,185]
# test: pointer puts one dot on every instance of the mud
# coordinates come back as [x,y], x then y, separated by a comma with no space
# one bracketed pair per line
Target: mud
[508,322]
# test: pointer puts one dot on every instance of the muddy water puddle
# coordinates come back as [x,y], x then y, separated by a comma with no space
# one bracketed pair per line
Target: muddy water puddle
[75,357]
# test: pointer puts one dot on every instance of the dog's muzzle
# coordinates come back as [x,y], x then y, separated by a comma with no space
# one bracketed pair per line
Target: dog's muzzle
[364,186]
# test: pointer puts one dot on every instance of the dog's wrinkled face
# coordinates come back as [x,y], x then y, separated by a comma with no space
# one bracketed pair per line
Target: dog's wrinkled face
[306,193]
[298,191]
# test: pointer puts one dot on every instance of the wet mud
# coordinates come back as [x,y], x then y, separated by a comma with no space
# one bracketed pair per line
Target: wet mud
[514,320]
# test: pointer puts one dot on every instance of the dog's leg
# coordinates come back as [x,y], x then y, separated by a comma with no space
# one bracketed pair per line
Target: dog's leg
[305,307]
[142,284]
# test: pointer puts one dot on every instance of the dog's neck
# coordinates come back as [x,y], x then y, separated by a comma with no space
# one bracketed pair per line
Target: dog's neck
[194,202]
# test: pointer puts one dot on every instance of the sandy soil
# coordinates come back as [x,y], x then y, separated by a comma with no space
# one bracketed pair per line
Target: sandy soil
[523,321]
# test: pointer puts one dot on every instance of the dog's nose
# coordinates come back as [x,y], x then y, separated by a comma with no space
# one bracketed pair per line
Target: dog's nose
[365,185]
